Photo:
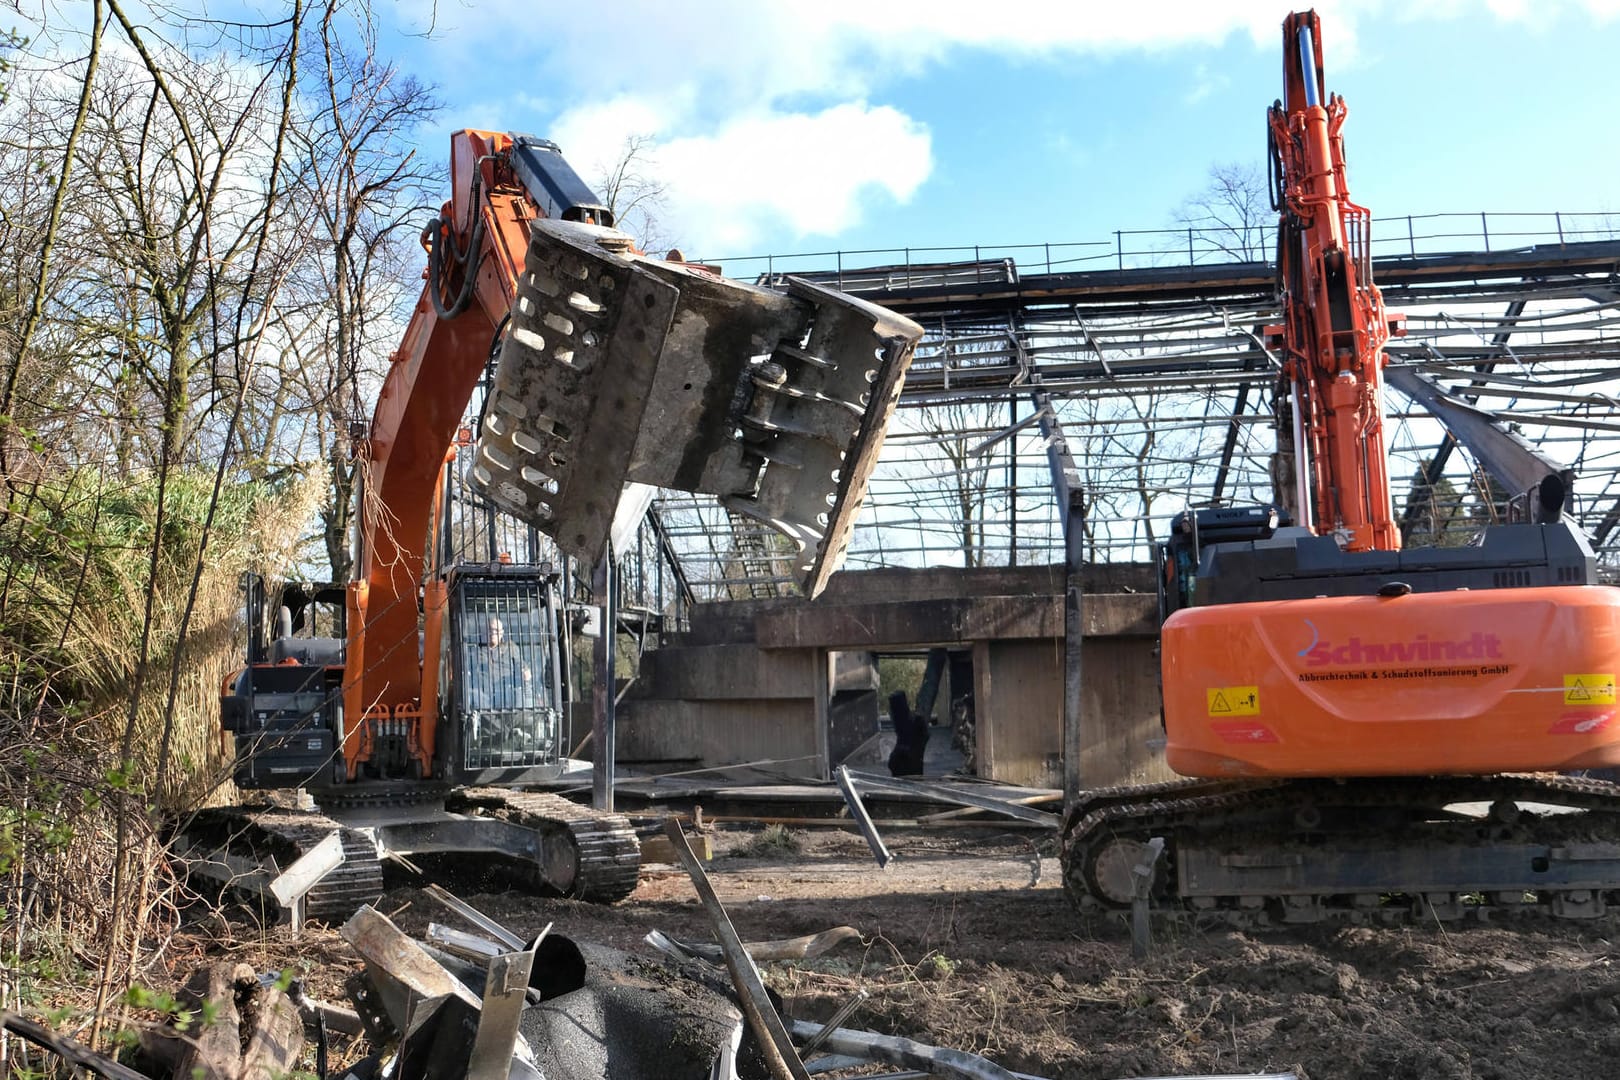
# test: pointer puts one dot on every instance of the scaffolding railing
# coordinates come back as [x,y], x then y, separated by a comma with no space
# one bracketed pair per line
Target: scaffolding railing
[1197,243]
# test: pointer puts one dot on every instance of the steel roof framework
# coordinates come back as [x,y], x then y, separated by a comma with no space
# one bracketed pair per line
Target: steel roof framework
[1157,378]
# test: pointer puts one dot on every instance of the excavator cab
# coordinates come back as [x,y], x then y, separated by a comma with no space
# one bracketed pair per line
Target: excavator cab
[504,702]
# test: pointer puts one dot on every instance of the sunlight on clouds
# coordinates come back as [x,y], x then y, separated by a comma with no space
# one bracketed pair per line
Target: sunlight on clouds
[592,136]
[742,53]
[768,117]
[813,174]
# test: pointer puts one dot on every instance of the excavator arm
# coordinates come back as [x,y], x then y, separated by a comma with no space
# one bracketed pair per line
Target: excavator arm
[610,368]
[1334,324]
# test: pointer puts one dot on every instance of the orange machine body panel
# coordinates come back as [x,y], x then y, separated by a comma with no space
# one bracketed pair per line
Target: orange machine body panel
[1462,682]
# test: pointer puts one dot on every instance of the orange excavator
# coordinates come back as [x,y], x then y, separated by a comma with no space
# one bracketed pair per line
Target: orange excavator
[415,703]
[1370,733]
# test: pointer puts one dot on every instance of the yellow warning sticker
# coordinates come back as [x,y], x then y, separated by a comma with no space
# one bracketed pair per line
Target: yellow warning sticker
[1238,700]
[1589,689]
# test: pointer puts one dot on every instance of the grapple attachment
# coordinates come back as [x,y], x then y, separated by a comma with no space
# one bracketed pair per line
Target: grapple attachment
[620,368]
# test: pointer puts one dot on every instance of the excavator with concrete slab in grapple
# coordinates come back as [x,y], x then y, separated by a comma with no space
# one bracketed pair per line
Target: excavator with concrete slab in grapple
[416,702]
[1370,734]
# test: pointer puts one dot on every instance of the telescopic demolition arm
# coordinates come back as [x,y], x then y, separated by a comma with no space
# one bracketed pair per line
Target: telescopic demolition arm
[1334,323]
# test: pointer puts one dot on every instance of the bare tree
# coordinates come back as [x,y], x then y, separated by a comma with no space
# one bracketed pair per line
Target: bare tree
[159,231]
[959,430]
[1232,214]
[632,191]
[370,191]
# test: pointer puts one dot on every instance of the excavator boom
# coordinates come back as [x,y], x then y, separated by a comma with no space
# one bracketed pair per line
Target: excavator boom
[443,694]
[1334,325]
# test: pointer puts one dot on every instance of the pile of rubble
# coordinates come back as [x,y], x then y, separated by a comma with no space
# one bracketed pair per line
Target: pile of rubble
[480,1003]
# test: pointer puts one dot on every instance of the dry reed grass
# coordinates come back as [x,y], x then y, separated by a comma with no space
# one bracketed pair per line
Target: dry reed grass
[88,891]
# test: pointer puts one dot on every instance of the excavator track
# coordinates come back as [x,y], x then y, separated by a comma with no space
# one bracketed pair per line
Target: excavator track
[1371,851]
[587,854]
[605,860]
[257,835]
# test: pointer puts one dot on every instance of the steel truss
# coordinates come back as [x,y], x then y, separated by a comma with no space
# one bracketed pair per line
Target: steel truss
[1158,381]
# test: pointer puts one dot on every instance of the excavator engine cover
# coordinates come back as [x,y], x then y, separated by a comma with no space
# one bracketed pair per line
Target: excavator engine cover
[619,368]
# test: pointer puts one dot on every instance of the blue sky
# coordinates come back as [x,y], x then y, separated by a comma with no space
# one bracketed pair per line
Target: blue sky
[792,127]
[782,127]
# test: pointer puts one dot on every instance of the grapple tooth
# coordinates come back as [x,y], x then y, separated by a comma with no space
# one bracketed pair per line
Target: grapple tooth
[617,368]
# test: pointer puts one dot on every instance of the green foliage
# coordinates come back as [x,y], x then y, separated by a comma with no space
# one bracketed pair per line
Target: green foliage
[10,42]
[1442,519]
[79,571]
[773,840]
[1451,517]
[1490,502]
[80,557]
[900,673]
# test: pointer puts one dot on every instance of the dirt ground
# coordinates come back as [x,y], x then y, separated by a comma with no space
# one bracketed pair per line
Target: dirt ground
[969,942]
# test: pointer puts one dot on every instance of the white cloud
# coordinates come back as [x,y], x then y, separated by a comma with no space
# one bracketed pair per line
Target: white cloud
[1541,12]
[1205,83]
[763,112]
[744,52]
[768,117]
[809,174]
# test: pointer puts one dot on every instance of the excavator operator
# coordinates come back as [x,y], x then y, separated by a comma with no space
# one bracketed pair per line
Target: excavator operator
[501,678]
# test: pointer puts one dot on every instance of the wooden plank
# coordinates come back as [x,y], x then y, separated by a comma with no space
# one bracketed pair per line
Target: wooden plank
[307,870]
[215,1051]
[276,1040]
[659,849]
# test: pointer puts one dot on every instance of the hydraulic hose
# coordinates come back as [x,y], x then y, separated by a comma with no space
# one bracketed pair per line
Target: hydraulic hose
[467,260]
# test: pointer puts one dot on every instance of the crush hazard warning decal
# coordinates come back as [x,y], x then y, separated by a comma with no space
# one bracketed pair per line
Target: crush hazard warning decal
[1225,701]
[1589,689]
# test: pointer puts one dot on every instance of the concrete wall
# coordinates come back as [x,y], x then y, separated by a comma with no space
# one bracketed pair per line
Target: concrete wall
[664,735]
[1018,692]
[698,706]
[772,680]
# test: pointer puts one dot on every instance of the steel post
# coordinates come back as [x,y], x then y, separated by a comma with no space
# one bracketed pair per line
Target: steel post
[1066,488]
[603,726]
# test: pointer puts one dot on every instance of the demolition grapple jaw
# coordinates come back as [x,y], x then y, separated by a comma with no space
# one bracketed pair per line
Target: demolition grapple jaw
[618,368]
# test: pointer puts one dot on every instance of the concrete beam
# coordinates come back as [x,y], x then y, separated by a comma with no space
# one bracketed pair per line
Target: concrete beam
[905,623]
[724,672]
[947,622]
